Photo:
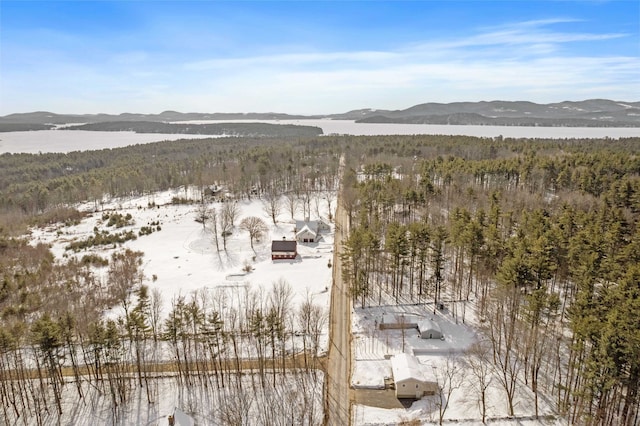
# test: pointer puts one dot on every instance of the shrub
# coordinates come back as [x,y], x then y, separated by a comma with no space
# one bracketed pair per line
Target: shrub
[94,259]
[118,220]
[100,239]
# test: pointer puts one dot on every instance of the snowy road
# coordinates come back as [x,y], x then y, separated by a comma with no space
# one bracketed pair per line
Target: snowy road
[338,395]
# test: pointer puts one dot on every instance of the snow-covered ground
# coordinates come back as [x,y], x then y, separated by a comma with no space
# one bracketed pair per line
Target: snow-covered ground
[373,347]
[182,257]
[204,402]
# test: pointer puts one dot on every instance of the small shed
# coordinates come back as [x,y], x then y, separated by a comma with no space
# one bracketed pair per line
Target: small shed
[284,249]
[412,379]
[396,321]
[429,329]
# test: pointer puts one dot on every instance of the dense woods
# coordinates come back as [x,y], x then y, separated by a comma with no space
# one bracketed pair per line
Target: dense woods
[34,187]
[537,239]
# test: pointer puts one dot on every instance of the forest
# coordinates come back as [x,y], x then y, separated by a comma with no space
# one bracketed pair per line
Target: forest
[227,129]
[541,234]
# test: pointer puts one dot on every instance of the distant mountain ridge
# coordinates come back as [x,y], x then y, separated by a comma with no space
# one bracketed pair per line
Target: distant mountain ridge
[587,113]
[45,117]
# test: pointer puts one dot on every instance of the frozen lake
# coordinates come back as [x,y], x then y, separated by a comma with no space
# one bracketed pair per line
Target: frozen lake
[350,127]
[77,140]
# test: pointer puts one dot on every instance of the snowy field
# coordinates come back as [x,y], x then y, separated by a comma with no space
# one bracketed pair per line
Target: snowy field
[79,140]
[182,258]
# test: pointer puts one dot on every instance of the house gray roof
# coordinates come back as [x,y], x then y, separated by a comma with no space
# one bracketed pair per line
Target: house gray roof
[284,245]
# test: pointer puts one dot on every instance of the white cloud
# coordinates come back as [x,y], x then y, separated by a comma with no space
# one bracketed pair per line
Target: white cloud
[292,59]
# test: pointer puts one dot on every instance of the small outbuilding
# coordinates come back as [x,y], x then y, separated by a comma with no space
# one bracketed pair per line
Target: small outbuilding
[412,379]
[398,321]
[429,329]
[284,249]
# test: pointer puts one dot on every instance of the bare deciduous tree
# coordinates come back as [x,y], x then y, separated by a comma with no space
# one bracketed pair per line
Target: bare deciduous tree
[291,202]
[203,214]
[479,359]
[124,275]
[213,220]
[255,227]
[449,378]
[230,212]
[272,205]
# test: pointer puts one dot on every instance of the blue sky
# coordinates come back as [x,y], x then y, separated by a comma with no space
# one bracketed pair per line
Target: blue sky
[311,57]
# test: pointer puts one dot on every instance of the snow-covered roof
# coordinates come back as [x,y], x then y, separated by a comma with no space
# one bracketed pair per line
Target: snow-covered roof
[405,366]
[397,318]
[312,225]
[427,324]
[308,230]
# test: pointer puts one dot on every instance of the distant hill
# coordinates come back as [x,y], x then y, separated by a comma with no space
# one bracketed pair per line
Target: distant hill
[587,113]
[44,117]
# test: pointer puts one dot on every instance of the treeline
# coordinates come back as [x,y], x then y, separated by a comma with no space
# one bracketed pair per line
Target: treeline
[23,127]
[32,186]
[542,237]
[225,129]
[56,344]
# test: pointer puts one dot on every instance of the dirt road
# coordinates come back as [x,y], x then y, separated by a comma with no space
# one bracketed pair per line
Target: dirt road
[338,395]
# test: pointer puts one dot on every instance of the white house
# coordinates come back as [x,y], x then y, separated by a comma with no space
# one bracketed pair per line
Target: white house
[412,379]
[307,234]
[307,231]
[429,329]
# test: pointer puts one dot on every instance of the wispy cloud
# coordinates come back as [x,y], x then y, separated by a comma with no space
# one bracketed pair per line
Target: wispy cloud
[533,60]
[521,56]
[531,38]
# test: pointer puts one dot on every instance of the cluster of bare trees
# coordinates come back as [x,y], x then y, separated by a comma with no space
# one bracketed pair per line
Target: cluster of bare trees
[58,346]
[33,185]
